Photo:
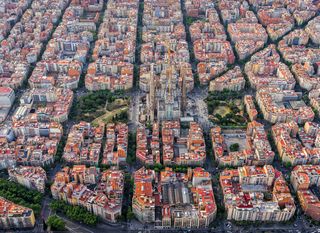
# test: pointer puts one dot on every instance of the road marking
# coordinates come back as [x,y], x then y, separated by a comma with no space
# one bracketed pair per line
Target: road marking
[70,229]
[78,226]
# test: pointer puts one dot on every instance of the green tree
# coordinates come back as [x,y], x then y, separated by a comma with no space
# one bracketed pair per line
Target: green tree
[234,147]
[218,116]
[56,223]
[131,156]
[21,195]
[288,164]
[130,214]
[75,213]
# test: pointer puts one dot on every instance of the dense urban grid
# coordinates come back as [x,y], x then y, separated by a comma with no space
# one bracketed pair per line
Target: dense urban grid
[160,115]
